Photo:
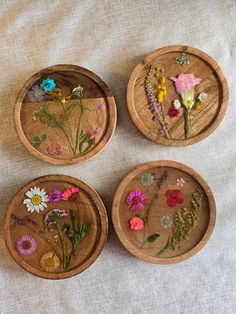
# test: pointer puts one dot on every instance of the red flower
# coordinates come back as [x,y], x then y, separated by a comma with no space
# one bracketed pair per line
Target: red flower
[173,112]
[68,193]
[174,197]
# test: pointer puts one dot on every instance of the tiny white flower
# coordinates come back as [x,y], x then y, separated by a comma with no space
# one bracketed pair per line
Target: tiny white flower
[177,104]
[36,200]
[202,96]
[166,221]
[78,91]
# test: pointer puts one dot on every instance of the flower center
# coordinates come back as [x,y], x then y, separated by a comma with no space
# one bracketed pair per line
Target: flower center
[36,199]
[136,200]
[26,245]
[49,262]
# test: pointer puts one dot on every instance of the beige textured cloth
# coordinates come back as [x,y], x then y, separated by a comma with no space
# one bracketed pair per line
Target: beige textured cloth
[110,37]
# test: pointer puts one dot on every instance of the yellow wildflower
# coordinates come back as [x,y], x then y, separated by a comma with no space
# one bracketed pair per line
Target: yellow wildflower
[198,106]
[50,262]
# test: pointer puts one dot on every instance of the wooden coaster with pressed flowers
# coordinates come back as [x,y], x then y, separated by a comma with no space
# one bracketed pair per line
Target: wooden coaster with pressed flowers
[55,226]
[163,212]
[177,95]
[65,114]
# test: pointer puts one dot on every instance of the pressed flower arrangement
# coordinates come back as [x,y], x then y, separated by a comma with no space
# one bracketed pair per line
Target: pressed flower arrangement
[65,114]
[55,227]
[163,212]
[177,95]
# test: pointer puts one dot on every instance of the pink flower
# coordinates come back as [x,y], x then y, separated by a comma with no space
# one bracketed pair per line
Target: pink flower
[54,149]
[75,189]
[26,245]
[95,133]
[68,193]
[185,82]
[135,200]
[180,182]
[136,223]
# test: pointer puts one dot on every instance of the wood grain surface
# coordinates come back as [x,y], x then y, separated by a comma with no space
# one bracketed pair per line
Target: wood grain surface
[133,241]
[213,83]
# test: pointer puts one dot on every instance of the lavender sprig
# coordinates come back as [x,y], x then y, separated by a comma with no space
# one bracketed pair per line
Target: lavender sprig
[154,106]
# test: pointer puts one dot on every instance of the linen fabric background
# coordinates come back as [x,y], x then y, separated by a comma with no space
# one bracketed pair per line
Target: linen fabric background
[110,38]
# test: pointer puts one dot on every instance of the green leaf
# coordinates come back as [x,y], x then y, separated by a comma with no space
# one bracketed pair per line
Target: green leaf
[152,237]
[36,145]
[37,138]
[43,138]
[85,230]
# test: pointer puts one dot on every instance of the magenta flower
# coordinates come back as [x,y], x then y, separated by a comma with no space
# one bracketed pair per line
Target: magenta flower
[26,245]
[135,200]
[54,149]
[55,196]
[185,81]
[136,223]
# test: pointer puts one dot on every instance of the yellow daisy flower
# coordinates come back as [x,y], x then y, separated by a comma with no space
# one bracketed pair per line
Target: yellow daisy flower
[49,262]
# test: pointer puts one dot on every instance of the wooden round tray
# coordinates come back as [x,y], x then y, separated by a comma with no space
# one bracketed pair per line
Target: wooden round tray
[65,114]
[55,226]
[177,95]
[163,212]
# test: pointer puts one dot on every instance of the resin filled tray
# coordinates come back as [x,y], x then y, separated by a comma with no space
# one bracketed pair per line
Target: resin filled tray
[55,226]
[177,95]
[163,212]
[65,114]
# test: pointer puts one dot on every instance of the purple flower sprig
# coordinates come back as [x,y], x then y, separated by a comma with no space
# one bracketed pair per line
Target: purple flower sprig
[154,106]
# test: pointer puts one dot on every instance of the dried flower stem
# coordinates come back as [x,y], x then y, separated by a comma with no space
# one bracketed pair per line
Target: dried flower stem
[159,184]
[155,107]
[188,122]
[185,222]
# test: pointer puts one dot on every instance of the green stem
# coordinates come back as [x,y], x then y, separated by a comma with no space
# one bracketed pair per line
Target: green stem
[68,140]
[164,248]
[147,214]
[79,124]
[188,122]
[63,245]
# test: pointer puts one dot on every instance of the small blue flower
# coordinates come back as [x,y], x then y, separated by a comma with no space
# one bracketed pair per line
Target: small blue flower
[48,84]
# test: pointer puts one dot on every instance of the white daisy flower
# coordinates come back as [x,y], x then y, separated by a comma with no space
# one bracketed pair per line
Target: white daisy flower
[177,104]
[36,200]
